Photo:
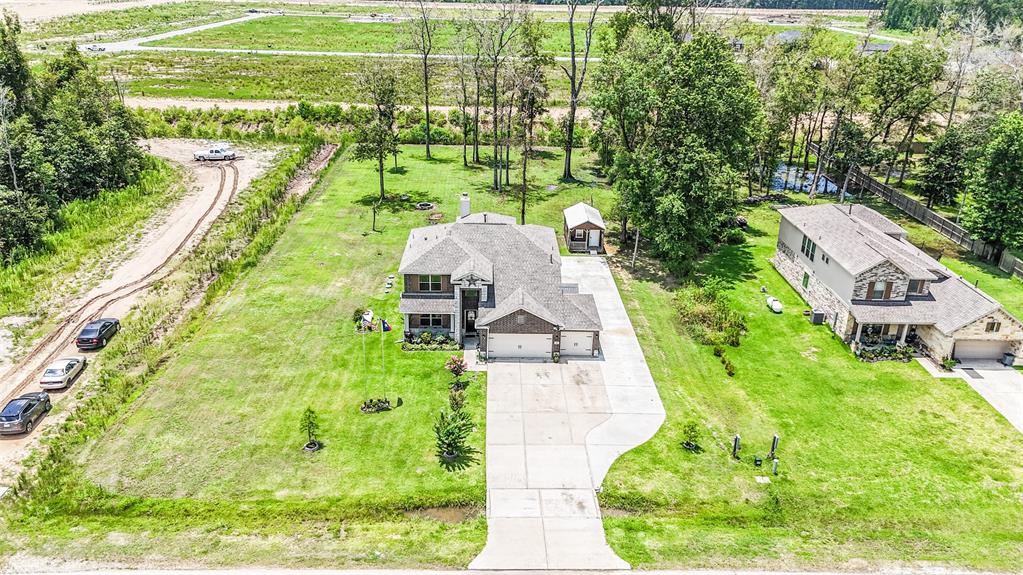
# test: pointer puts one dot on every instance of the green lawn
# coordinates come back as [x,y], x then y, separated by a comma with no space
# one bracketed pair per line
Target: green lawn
[264,77]
[879,463]
[206,465]
[317,33]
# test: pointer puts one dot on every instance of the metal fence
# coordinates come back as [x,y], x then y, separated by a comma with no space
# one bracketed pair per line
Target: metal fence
[1012,264]
[918,211]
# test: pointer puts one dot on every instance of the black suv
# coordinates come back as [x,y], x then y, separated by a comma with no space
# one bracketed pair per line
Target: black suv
[21,414]
[97,333]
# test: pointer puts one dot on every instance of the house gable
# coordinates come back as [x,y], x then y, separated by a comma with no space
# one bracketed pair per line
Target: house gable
[883,272]
[520,321]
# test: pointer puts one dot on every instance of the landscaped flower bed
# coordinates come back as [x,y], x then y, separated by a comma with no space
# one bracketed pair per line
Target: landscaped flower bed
[885,353]
[427,341]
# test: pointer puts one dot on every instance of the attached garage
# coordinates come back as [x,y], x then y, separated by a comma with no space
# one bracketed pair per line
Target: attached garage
[980,349]
[519,345]
[577,343]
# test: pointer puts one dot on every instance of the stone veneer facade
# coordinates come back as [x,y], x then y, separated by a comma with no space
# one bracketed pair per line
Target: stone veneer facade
[882,272]
[816,293]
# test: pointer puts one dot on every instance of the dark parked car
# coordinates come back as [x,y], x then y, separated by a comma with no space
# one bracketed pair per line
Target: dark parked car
[21,415]
[97,333]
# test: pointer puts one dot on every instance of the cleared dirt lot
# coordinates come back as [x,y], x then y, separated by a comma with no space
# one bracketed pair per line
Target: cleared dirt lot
[172,235]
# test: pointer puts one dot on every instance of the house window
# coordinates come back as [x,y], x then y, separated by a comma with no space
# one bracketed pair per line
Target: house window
[877,290]
[993,326]
[825,258]
[806,279]
[520,319]
[429,283]
[916,286]
[431,320]
[809,248]
[578,235]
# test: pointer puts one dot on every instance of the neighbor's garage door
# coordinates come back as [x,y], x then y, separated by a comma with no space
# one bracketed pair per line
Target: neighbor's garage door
[980,349]
[519,345]
[577,343]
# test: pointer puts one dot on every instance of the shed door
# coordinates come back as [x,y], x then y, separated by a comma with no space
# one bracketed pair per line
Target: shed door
[519,345]
[594,238]
[577,343]
[980,349]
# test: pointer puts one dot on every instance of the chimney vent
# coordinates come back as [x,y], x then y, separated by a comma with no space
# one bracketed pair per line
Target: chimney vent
[463,205]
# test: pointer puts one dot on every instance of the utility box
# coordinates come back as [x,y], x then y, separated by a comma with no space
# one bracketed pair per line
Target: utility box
[817,317]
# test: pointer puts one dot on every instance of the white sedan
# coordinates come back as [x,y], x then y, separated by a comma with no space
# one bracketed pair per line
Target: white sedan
[62,372]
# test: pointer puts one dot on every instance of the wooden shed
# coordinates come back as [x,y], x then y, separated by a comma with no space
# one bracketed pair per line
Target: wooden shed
[584,229]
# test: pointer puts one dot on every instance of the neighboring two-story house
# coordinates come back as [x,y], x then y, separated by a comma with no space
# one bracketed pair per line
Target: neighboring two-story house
[486,279]
[873,286]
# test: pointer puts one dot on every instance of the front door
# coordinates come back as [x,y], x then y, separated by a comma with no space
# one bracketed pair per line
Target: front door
[470,322]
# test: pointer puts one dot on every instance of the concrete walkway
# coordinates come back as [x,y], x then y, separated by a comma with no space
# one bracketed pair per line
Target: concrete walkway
[553,431]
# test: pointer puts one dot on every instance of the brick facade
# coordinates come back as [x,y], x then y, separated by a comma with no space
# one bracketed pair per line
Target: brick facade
[882,272]
[816,293]
[531,324]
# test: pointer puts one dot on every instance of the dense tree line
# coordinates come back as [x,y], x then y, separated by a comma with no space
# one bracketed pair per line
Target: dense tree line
[64,135]
[913,14]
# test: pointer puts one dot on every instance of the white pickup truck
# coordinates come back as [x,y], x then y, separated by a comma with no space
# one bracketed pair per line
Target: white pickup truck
[218,151]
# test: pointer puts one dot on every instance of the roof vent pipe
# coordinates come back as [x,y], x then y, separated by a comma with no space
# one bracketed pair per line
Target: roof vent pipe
[463,205]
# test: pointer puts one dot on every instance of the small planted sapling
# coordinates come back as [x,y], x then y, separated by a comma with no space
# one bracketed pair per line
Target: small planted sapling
[310,426]
[691,437]
[452,431]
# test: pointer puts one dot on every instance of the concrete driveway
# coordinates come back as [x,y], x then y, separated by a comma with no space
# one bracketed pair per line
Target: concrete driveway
[1001,386]
[553,431]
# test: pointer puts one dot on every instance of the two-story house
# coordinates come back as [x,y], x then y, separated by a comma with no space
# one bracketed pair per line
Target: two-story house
[485,279]
[873,285]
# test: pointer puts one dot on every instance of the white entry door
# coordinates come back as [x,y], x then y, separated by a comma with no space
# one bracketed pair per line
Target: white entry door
[594,238]
[577,343]
[519,345]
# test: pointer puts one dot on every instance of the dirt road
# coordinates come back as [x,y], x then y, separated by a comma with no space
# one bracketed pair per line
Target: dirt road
[154,257]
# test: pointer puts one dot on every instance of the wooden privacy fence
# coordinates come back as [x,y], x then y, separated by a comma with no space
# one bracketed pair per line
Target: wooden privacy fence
[1012,264]
[918,211]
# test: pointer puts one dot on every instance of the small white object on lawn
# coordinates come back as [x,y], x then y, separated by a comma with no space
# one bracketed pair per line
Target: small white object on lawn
[762,479]
[774,304]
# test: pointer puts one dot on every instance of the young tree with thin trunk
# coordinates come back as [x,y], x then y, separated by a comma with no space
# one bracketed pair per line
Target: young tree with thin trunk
[497,33]
[530,78]
[420,28]
[465,72]
[378,139]
[576,74]
[971,31]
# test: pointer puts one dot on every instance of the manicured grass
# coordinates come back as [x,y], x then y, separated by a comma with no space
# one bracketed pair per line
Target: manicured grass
[85,234]
[317,33]
[879,463]
[206,465]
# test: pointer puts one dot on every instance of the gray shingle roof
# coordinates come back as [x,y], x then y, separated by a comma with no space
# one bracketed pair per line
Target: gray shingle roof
[858,238]
[427,305]
[523,261]
[953,303]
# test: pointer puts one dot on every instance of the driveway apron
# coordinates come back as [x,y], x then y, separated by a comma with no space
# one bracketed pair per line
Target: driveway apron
[553,431]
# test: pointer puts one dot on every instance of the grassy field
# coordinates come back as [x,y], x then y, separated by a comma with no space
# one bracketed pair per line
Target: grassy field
[86,234]
[206,466]
[263,77]
[880,464]
[339,35]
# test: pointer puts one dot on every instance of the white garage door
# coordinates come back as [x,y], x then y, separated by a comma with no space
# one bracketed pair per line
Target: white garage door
[577,343]
[980,349]
[519,345]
